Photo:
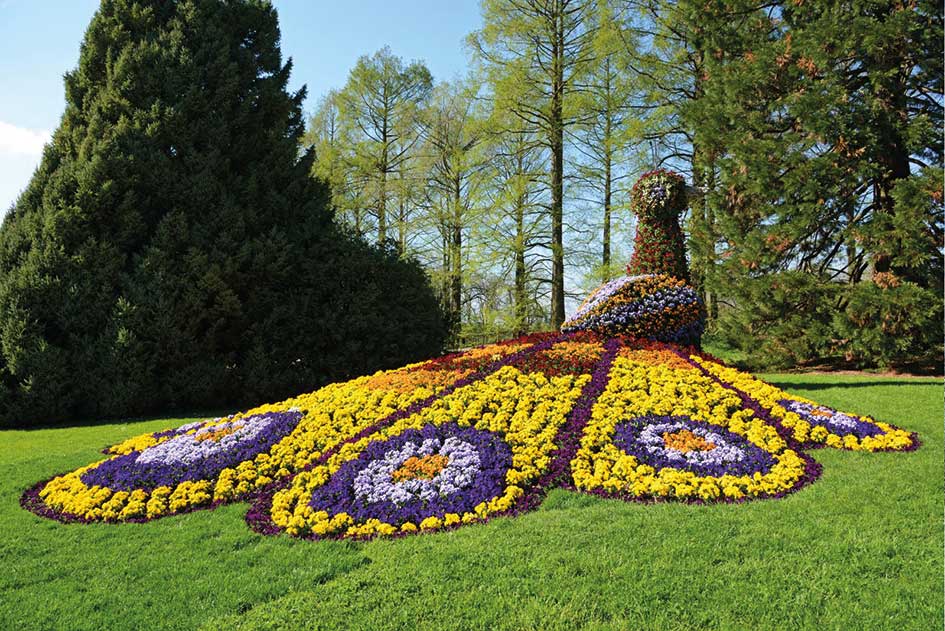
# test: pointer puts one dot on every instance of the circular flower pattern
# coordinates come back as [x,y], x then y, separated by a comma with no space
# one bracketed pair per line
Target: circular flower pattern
[678,442]
[417,474]
[199,451]
[832,420]
[397,453]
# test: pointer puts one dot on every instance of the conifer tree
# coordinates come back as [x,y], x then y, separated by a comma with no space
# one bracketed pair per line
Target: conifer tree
[171,249]
[826,119]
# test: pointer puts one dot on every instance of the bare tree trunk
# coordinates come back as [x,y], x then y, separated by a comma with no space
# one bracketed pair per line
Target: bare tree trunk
[382,194]
[608,171]
[402,228]
[521,305]
[456,285]
[605,259]
[557,170]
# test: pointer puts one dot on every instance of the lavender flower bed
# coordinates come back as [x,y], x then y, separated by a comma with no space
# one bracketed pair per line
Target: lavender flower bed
[659,302]
[604,292]
[198,456]
[472,469]
[724,452]
[835,422]
[646,306]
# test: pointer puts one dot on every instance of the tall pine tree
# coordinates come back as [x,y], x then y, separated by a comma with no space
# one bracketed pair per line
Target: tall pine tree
[826,122]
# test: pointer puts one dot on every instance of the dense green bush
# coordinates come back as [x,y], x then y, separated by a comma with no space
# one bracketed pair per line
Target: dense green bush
[892,325]
[778,320]
[172,251]
[794,319]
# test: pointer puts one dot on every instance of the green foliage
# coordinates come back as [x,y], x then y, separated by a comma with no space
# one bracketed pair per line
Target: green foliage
[171,249]
[779,319]
[818,128]
[891,325]
[380,103]
[796,318]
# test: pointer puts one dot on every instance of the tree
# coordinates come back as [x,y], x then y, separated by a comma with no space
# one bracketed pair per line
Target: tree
[382,99]
[664,53]
[607,129]
[535,53]
[172,249]
[454,168]
[331,137]
[517,210]
[826,119]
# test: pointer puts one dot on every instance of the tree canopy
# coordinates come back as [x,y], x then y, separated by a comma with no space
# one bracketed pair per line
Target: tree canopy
[172,249]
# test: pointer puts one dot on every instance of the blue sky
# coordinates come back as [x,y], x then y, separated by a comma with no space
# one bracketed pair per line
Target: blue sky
[39,42]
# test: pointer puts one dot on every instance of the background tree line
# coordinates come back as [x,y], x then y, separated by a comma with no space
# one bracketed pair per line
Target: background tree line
[173,249]
[812,129]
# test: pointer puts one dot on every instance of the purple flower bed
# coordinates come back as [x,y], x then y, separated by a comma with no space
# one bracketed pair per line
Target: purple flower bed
[619,316]
[198,456]
[473,470]
[834,421]
[728,453]
[602,293]
[649,307]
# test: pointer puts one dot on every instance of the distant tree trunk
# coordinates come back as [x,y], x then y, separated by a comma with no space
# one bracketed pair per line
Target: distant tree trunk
[892,94]
[608,168]
[608,183]
[557,170]
[521,304]
[382,194]
[402,228]
[456,284]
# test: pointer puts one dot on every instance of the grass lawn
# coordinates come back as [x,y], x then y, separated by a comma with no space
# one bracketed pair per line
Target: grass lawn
[860,549]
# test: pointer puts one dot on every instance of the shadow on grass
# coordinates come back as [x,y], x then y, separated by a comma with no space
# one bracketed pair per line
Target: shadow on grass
[799,385]
[93,422]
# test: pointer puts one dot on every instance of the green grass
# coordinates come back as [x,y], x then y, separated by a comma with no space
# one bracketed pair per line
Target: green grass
[862,548]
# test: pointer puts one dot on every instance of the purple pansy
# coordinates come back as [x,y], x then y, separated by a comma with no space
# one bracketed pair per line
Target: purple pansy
[367,487]
[731,454]
[604,292]
[200,455]
[835,422]
[597,314]
[183,429]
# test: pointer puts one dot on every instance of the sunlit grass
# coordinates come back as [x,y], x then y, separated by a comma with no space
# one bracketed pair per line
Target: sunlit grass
[862,548]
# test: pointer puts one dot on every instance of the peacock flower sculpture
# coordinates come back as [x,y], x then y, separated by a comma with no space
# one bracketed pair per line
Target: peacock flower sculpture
[621,403]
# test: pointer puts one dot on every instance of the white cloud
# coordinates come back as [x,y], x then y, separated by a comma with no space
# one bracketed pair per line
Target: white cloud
[22,141]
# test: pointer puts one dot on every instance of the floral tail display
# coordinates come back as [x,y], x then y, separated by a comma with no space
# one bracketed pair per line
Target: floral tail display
[620,404]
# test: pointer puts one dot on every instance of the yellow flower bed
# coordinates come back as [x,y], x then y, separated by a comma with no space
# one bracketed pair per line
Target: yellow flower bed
[525,410]
[772,398]
[331,415]
[641,389]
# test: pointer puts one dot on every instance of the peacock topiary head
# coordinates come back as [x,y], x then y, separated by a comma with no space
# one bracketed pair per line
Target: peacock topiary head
[659,196]
[657,199]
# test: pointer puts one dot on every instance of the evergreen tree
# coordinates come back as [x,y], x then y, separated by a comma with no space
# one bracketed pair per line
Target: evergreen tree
[171,249]
[826,119]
